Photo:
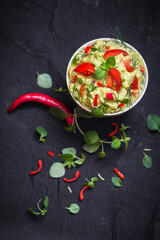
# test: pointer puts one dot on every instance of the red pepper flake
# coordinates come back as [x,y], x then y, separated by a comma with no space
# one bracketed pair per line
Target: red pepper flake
[99,84]
[50,154]
[142,68]
[108,47]
[87,49]
[81,192]
[120,105]
[82,90]
[115,131]
[119,173]
[96,100]
[74,79]
[109,96]
[39,169]
[73,179]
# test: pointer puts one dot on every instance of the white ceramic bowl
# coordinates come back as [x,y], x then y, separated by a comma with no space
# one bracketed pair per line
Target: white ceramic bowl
[140,94]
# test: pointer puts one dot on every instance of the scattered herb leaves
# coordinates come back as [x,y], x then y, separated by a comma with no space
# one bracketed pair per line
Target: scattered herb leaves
[153,122]
[42,132]
[44,80]
[60,90]
[57,113]
[91,148]
[91,137]
[117,182]
[97,113]
[147,161]
[41,211]
[57,170]
[73,208]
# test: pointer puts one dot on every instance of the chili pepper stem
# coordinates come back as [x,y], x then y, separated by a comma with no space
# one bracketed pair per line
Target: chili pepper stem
[75,116]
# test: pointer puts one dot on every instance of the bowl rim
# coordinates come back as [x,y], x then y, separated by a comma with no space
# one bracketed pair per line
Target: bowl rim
[146,77]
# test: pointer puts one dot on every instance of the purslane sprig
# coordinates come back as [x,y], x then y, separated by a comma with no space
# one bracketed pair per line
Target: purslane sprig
[41,211]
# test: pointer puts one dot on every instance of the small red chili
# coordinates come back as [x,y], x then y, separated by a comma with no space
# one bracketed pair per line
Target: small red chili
[96,100]
[73,179]
[39,168]
[120,105]
[108,47]
[81,192]
[119,173]
[87,49]
[99,84]
[74,79]
[110,96]
[115,131]
[50,154]
[82,90]
[142,68]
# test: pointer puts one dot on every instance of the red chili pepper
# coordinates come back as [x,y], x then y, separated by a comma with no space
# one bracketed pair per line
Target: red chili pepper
[128,66]
[119,173]
[120,105]
[109,96]
[96,100]
[115,131]
[73,179]
[39,168]
[99,84]
[82,90]
[87,49]
[114,52]
[108,47]
[114,79]
[87,69]
[81,192]
[74,79]
[50,154]
[44,99]
[134,84]
[142,68]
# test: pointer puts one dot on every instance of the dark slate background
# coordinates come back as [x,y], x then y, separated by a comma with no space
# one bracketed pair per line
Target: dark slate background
[42,36]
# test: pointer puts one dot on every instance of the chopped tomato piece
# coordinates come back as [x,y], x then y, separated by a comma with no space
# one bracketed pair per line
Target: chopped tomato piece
[114,52]
[86,69]
[99,84]
[142,68]
[114,79]
[134,84]
[109,96]
[82,90]
[96,100]
[128,66]
[74,79]
[108,47]
[120,105]
[87,49]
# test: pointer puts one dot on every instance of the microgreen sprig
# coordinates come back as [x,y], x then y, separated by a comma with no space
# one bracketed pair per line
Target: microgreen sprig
[41,211]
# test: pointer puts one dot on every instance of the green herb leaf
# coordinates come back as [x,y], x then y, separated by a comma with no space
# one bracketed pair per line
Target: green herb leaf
[123,127]
[147,161]
[153,122]
[99,74]
[79,80]
[117,182]
[93,49]
[102,154]
[91,148]
[69,150]
[125,101]
[74,61]
[42,132]
[116,143]
[34,213]
[111,61]
[60,90]
[70,128]
[82,113]
[97,113]
[67,157]
[94,179]
[58,113]
[57,170]
[91,137]
[73,208]
[46,201]
[44,80]
[91,184]
[103,66]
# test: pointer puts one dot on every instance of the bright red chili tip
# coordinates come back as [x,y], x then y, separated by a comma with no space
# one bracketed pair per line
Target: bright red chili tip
[39,168]
[115,131]
[73,179]
[120,105]
[50,154]
[119,173]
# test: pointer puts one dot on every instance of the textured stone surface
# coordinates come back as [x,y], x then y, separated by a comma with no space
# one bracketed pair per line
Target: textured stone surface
[41,36]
